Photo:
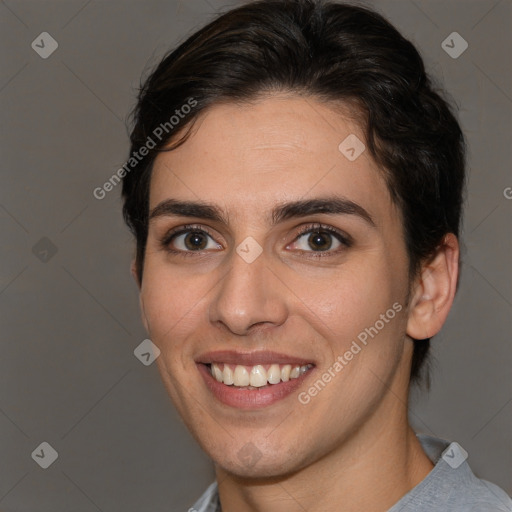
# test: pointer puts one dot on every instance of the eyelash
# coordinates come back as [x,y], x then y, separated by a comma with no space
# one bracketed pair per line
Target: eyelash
[171,235]
[310,228]
[322,228]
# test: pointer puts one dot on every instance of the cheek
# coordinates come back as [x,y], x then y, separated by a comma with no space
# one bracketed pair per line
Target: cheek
[361,320]
[173,306]
[350,300]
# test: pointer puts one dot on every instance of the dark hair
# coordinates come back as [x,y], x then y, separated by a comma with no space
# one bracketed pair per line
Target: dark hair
[333,52]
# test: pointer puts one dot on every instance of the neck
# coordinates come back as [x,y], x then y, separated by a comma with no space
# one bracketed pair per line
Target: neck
[372,469]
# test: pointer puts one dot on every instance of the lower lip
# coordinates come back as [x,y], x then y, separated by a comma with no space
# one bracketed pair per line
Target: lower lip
[250,398]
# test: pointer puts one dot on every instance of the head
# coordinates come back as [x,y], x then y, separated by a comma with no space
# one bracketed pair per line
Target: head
[279,116]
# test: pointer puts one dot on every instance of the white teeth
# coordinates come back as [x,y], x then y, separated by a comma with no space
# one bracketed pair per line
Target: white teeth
[217,373]
[274,374]
[256,376]
[295,372]
[227,375]
[241,376]
[285,372]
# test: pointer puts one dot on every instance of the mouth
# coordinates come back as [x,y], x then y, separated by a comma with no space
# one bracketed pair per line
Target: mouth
[252,381]
[256,377]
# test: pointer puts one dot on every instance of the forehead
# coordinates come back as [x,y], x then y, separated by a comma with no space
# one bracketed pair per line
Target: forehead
[277,149]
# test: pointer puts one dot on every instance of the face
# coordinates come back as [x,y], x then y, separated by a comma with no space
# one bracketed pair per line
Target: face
[299,259]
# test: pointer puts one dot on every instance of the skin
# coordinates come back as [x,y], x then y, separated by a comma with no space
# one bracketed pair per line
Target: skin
[351,447]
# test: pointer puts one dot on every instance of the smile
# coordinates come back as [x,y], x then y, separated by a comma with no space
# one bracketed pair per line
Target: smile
[252,380]
[258,376]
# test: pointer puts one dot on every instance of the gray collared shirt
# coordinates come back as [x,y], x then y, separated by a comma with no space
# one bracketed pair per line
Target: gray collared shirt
[451,486]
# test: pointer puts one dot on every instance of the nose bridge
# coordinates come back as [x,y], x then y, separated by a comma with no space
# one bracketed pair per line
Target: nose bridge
[248,294]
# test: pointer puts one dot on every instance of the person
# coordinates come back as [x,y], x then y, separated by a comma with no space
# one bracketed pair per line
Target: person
[295,189]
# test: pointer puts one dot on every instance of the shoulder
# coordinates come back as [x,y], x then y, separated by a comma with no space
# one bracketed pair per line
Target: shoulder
[451,485]
[208,502]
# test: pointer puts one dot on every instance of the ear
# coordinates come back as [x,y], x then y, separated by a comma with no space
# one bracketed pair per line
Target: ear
[143,314]
[434,290]
[133,270]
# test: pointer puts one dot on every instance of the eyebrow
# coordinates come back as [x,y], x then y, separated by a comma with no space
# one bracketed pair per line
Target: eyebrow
[284,211]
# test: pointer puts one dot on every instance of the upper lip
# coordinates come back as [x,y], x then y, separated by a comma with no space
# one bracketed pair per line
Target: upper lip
[251,358]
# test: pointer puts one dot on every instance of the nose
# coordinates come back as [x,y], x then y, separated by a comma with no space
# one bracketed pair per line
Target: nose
[249,295]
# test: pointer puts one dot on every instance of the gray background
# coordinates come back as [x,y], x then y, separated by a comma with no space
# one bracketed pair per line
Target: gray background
[70,320]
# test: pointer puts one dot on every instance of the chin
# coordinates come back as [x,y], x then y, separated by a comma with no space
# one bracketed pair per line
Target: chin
[259,471]
[253,462]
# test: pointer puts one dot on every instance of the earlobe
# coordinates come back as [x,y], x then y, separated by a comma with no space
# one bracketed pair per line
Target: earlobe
[143,313]
[133,271]
[434,290]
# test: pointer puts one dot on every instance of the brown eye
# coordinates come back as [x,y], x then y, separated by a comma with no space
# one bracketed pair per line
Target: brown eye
[320,241]
[195,241]
[189,240]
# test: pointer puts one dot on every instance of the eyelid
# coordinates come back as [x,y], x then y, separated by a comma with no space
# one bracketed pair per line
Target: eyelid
[318,226]
[342,237]
[171,234]
[183,229]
